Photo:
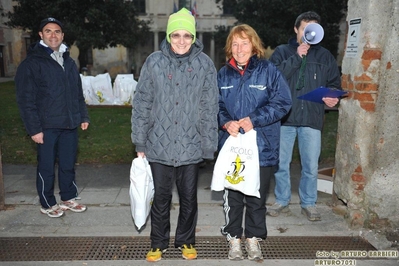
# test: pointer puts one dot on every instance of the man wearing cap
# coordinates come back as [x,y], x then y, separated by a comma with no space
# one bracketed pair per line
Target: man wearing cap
[174,125]
[52,107]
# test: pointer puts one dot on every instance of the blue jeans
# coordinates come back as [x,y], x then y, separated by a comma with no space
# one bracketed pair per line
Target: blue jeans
[309,144]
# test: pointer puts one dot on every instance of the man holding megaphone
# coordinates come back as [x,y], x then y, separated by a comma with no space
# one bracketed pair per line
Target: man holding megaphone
[306,65]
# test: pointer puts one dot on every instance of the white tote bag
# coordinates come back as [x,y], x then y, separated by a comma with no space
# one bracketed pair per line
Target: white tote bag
[237,165]
[141,190]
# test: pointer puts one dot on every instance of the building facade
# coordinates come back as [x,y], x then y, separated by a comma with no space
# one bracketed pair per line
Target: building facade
[208,15]
[12,44]
[120,60]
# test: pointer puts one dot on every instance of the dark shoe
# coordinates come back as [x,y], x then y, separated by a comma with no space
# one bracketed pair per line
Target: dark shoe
[276,209]
[311,213]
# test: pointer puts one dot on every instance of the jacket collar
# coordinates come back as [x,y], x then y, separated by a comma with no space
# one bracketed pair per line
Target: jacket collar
[63,48]
[249,67]
[195,50]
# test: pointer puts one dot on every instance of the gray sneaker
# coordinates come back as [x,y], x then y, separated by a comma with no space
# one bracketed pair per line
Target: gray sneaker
[253,249]
[276,209]
[311,213]
[235,252]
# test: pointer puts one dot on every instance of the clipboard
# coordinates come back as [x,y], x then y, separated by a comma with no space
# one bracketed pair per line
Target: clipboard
[316,95]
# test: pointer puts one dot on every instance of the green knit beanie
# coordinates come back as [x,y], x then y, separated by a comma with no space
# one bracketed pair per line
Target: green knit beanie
[181,20]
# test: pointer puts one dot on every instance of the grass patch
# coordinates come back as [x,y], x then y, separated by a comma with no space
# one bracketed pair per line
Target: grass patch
[329,137]
[107,141]
[328,140]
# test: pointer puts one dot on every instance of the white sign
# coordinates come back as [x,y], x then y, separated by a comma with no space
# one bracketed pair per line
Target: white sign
[353,37]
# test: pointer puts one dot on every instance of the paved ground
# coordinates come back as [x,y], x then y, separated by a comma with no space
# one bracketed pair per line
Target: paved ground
[105,189]
[5,79]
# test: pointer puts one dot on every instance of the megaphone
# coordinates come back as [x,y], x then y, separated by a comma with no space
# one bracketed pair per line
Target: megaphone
[313,33]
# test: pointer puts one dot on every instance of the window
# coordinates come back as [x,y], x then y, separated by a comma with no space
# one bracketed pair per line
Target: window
[183,3]
[228,7]
[139,5]
[10,57]
[28,42]
[90,56]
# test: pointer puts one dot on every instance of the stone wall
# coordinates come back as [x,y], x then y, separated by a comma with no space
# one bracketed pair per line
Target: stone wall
[367,157]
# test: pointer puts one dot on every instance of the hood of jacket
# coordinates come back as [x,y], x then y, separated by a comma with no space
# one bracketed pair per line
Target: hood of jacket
[37,49]
[195,49]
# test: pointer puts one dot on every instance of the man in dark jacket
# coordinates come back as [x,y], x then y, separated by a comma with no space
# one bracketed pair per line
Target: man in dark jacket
[306,67]
[52,107]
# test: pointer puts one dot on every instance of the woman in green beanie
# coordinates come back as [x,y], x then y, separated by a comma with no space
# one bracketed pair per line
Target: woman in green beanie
[174,125]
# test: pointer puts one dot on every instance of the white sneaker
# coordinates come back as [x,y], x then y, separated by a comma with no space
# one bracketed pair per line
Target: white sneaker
[53,212]
[253,249]
[235,252]
[72,205]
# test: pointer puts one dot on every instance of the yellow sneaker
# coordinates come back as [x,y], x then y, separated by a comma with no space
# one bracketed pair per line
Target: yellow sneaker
[154,255]
[188,252]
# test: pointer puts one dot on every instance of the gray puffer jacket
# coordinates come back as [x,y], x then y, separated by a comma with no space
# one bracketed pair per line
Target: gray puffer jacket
[174,115]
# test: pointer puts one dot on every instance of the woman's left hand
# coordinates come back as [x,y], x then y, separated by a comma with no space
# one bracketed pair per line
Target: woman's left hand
[246,124]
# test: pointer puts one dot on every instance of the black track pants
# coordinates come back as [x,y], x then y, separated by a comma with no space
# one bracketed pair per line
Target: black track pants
[186,178]
[255,213]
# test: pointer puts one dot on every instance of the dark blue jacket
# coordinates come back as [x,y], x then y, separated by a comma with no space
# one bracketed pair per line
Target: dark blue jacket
[321,70]
[260,93]
[47,95]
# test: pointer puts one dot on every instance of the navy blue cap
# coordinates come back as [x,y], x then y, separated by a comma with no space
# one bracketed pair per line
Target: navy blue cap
[46,21]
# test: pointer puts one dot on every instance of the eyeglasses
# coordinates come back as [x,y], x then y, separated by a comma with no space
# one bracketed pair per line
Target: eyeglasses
[176,36]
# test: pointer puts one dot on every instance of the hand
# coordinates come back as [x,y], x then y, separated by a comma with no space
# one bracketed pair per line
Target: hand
[232,127]
[302,49]
[141,154]
[38,138]
[330,102]
[84,125]
[246,124]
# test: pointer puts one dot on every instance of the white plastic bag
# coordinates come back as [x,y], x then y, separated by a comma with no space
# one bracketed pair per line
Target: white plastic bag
[237,165]
[102,89]
[124,87]
[88,93]
[141,190]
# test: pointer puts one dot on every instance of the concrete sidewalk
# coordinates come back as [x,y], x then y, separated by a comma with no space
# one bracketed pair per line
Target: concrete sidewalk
[6,79]
[105,190]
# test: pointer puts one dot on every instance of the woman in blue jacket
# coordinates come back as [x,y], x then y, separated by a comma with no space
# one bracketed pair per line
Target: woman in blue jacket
[253,94]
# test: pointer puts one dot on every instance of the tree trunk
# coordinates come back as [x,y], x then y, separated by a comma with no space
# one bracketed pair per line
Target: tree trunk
[2,191]
[82,58]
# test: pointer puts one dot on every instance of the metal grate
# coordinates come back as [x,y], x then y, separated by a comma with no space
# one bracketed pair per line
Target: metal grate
[135,248]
